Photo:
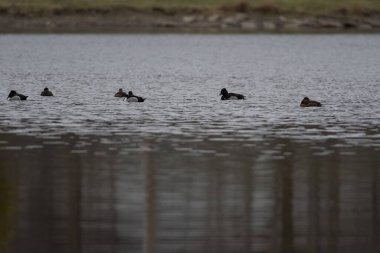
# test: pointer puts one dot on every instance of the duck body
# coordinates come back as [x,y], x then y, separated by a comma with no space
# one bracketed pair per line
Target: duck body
[46,93]
[306,102]
[120,94]
[133,98]
[13,95]
[230,96]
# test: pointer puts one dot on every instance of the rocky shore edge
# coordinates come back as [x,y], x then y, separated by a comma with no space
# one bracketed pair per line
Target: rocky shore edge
[160,20]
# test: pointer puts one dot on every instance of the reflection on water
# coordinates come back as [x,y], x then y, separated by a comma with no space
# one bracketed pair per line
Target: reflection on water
[98,194]
[184,171]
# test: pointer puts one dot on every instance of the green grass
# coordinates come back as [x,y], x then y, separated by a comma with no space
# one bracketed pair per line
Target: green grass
[284,5]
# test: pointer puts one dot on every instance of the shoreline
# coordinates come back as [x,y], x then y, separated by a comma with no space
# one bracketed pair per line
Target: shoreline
[129,20]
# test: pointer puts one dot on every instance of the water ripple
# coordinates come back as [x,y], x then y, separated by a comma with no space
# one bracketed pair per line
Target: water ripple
[181,77]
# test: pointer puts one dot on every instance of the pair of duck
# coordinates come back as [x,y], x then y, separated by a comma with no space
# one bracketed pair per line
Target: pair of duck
[130,97]
[306,102]
[13,95]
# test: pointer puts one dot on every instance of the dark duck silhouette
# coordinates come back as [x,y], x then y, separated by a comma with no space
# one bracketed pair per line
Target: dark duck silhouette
[133,98]
[306,102]
[230,96]
[13,95]
[120,94]
[47,93]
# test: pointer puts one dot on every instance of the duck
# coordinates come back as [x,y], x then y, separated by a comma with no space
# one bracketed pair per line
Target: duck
[120,94]
[13,95]
[47,92]
[132,98]
[230,96]
[306,102]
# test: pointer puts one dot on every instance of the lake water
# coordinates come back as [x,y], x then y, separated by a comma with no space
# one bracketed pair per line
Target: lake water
[184,171]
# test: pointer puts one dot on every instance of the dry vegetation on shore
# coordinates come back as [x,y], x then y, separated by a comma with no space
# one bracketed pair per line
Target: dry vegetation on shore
[189,15]
[294,6]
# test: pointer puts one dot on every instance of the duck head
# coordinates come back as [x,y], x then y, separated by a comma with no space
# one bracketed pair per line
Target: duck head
[306,100]
[223,92]
[130,93]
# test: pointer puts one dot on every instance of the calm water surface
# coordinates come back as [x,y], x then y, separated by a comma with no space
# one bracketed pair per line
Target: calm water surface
[185,172]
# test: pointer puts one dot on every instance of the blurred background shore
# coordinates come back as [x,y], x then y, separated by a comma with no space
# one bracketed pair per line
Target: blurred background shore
[189,16]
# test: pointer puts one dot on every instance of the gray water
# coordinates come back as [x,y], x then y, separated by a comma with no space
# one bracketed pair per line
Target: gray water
[184,171]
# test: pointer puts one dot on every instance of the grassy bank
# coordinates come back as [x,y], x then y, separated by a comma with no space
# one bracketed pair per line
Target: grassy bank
[294,6]
[189,15]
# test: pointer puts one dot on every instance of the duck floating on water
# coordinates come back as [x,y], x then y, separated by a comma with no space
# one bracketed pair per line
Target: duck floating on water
[13,95]
[132,98]
[47,93]
[120,94]
[306,102]
[230,96]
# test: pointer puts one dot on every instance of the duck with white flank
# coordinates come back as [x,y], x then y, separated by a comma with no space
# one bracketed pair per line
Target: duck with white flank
[47,93]
[230,96]
[132,98]
[13,95]
[120,94]
[306,102]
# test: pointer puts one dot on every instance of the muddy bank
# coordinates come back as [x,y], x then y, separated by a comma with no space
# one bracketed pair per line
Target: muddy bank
[159,20]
